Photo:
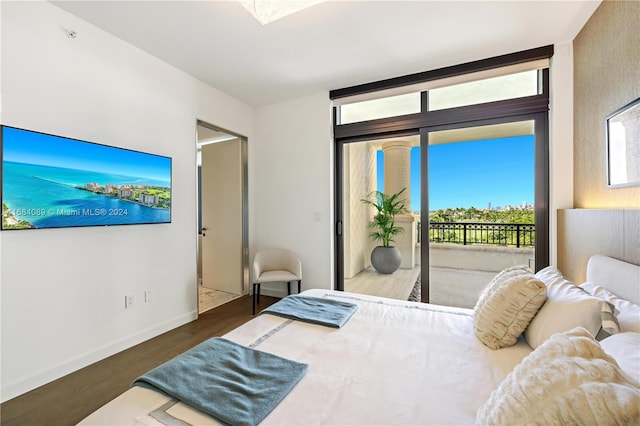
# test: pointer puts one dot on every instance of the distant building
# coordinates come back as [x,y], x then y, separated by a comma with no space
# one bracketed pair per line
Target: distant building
[126,192]
[92,186]
[110,189]
[148,199]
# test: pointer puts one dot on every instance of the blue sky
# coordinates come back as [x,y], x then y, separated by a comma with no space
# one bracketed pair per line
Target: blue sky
[474,173]
[23,146]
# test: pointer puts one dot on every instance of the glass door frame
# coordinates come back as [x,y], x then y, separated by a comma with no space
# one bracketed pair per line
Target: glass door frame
[541,186]
[339,194]
[532,108]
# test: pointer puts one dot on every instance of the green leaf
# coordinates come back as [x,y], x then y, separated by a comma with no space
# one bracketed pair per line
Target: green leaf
[387,207]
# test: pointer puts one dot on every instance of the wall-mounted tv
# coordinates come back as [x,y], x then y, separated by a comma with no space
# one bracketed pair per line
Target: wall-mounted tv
[56,182]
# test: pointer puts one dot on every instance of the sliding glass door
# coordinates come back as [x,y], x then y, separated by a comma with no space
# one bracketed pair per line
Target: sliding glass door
[371,168]
[469,145]
[481,207]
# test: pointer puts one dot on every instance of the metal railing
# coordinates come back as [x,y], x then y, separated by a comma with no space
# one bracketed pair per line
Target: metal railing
[466,233]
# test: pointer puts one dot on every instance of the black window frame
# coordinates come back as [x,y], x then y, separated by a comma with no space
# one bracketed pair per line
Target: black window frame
[535,107]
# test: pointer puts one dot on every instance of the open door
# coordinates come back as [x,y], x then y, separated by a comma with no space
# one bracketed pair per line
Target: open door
[222,218]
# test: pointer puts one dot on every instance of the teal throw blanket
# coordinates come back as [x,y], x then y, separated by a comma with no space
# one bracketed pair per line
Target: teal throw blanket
[234,384]
[316,310]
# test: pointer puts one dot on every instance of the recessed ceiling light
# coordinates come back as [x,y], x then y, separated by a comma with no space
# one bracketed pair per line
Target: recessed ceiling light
[266,11]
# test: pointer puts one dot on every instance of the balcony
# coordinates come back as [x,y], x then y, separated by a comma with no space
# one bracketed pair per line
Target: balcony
[463,257]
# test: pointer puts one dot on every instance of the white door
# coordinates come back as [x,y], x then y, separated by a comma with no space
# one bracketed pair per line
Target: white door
[221,192]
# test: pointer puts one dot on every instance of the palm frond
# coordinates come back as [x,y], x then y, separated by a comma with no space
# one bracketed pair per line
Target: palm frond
[387,207]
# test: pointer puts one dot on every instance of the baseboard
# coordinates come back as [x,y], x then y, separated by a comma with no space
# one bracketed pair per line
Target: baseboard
[42,377]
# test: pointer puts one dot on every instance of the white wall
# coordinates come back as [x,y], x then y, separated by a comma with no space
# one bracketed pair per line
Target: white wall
[292,182]
[63,290]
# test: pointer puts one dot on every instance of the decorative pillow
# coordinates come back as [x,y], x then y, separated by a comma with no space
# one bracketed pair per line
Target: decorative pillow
[569,379]
[628,314]
[610,325]
[567,306]
[625,349]
[506,306]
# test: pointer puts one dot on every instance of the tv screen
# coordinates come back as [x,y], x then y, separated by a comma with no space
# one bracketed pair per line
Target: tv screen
[55,182]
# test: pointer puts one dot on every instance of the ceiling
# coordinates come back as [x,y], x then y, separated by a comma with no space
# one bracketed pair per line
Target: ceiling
[331,45]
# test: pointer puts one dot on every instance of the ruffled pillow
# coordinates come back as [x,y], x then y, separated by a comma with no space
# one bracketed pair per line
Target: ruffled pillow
[506,306]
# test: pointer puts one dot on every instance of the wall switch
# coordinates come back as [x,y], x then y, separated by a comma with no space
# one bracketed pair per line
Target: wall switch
[147,296]
[129,301]
[316,216]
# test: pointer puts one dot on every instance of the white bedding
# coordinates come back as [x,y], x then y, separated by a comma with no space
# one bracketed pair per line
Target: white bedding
[393,362]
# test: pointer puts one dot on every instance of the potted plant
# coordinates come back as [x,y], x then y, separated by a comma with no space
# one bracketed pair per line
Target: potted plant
[385,258]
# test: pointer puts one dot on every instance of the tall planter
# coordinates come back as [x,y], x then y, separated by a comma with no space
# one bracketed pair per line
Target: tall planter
[386,260]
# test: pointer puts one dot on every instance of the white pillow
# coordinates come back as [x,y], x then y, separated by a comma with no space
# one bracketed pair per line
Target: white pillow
[625,349]
[567,306]
[506,306]
[628,314]
[569,379]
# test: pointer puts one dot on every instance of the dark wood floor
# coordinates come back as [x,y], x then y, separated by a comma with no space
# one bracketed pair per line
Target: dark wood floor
[69,399]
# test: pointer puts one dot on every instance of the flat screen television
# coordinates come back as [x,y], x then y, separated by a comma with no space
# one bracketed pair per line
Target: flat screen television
[56,182]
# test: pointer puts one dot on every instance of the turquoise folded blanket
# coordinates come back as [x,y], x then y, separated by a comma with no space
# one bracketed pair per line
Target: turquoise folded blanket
[316,310]
[232,383]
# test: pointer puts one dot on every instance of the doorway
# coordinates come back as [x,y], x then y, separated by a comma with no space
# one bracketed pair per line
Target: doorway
[370,167]
[222,216]
[481,207]
[480,191]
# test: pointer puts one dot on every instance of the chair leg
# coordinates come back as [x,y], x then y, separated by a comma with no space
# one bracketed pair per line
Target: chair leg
[299,283]
[256,296]
[288,287]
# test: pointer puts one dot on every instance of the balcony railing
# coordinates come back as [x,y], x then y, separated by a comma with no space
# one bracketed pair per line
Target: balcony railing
[502,234]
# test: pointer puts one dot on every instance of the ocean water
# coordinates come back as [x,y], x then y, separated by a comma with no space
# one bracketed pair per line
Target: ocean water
[44,197]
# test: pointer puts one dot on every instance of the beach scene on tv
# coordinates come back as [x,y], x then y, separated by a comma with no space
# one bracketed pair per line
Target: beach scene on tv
[54,182]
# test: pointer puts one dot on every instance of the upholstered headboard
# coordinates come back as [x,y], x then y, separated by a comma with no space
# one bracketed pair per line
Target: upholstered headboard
[621,278]
[583,233]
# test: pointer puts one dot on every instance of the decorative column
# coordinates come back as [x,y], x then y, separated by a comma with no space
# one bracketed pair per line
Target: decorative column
[397,168]
[397,175]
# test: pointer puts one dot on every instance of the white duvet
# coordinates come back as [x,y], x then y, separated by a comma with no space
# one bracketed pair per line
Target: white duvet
[393,362]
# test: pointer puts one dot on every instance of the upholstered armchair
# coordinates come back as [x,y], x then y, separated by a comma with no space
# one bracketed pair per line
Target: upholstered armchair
[275,265]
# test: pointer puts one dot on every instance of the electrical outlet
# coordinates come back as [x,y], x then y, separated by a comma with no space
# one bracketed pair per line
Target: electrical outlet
[147,296]
[129,301]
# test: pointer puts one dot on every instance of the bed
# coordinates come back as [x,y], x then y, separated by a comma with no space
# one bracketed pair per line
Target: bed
[396,362]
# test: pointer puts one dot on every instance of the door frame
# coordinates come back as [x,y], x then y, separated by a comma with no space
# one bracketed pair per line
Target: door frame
[245,199]
[541,185]
[541,188]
